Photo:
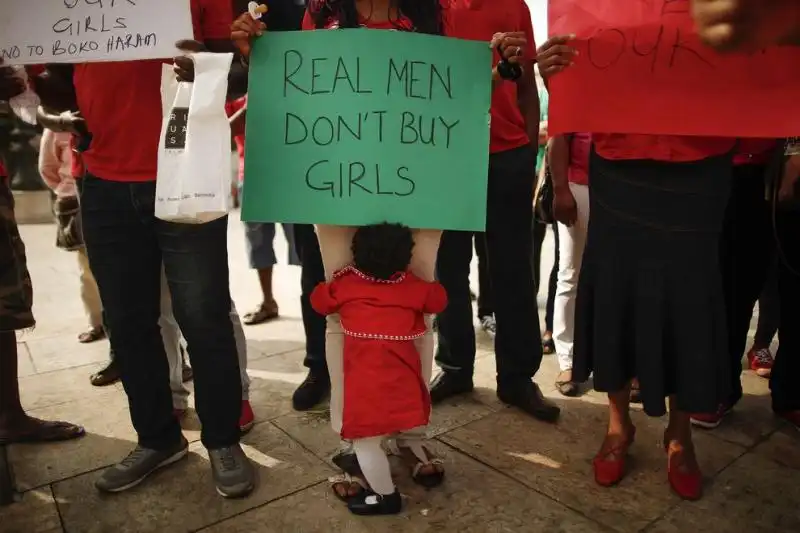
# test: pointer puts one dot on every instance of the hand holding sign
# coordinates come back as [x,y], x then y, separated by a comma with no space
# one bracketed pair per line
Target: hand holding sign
[746,24]
[243,30]
[555,55]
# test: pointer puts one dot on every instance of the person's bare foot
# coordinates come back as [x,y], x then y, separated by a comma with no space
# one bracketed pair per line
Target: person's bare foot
[26,429]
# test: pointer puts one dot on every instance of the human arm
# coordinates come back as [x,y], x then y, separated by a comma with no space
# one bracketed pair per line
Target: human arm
[744,25]
[527,91]
[323,300]
[565,210]
[435,298]
[555,55]
[50,159]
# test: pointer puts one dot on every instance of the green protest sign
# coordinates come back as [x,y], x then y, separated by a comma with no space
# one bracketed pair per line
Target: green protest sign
[354,127]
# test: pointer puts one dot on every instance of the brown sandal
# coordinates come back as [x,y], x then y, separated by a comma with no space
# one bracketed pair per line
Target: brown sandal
[92,334]
[422,458]
[348,483]
[264,313]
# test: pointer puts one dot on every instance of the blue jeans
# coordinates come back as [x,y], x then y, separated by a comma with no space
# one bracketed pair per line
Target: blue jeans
[127,246]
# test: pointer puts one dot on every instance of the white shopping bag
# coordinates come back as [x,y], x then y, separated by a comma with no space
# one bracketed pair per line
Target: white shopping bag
[194,156]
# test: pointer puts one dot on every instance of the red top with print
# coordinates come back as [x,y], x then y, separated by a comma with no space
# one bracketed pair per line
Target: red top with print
[479,20]
[754,151]
[675,148]
[121,102]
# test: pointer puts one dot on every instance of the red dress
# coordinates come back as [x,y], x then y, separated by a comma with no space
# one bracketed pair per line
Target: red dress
[384,392]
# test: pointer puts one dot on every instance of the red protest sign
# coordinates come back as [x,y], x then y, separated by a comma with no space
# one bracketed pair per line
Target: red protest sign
[641,68]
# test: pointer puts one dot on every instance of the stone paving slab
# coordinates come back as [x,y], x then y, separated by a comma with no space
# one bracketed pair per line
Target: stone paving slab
[506,472]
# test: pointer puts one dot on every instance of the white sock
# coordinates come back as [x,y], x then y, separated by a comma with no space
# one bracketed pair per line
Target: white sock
[374,464]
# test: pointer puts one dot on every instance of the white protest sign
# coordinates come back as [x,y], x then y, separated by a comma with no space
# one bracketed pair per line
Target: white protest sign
[77,31]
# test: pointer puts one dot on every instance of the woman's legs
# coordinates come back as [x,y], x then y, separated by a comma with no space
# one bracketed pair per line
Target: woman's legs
[683,471]
[90,296]
[572,241]
[609,463]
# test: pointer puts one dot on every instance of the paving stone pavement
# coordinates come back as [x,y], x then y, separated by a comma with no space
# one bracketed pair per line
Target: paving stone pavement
[506,472]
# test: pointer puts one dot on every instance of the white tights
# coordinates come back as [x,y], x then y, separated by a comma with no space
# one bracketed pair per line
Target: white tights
[374,464]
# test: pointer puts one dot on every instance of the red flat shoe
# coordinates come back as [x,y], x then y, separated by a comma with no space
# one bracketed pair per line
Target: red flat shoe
[609,464]
[687,485]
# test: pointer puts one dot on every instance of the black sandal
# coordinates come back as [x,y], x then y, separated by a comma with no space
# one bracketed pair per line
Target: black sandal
[548,345]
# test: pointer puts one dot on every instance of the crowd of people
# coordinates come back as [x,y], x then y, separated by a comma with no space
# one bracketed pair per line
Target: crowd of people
[652,299]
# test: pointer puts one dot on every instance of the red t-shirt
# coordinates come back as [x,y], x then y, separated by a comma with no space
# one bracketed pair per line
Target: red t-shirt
[673,148]
[754,151]
[479,20]
[579,148]
[231,108]
[121,102]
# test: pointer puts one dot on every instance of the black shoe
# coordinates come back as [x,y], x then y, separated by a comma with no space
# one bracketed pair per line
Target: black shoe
[311,391]
[529,398]
[370,504]
[347,462]
[449,384]
[107,376]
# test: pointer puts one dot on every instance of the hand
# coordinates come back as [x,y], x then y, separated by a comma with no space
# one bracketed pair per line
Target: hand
[510,45]
[184,66]
[243,30]
[745,24]
[555,55]
[565,210]
[10,84]
[73,122]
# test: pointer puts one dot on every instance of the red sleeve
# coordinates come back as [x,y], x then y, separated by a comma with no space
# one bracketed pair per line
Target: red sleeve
[322,299]
[308,22]
[436,299]
[212,19]
[526,25]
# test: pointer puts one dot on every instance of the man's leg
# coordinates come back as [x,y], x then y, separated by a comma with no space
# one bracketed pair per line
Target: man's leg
[518,344]
[786,371]
[196,264]
[261,256]
[171,334]
[746,253]
[317,384]
[485,303]
[118,227]
[90,297]
[455,354]
[109,374]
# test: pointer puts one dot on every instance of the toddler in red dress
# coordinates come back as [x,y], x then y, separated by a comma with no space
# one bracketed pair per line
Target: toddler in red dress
[382,307]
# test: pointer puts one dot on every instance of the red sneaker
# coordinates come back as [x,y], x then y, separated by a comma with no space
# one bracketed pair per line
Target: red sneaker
[247,418]
[761,361]
[710,420]
[793,417]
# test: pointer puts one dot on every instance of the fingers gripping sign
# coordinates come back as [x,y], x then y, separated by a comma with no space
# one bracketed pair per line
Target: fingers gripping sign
[247,27]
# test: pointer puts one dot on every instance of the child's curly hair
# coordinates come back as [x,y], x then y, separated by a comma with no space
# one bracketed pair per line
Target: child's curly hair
[382,250]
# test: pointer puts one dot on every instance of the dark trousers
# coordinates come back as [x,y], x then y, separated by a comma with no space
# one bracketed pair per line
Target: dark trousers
[508,245]
[786,371]
[538,232]
[127,245]
[746,255]
[769,310]
[485,298]
[311,275]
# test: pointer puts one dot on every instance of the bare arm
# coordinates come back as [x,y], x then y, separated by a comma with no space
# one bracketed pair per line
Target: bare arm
[558,158]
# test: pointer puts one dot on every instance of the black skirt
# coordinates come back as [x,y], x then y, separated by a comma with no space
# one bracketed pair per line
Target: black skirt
[650,302]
